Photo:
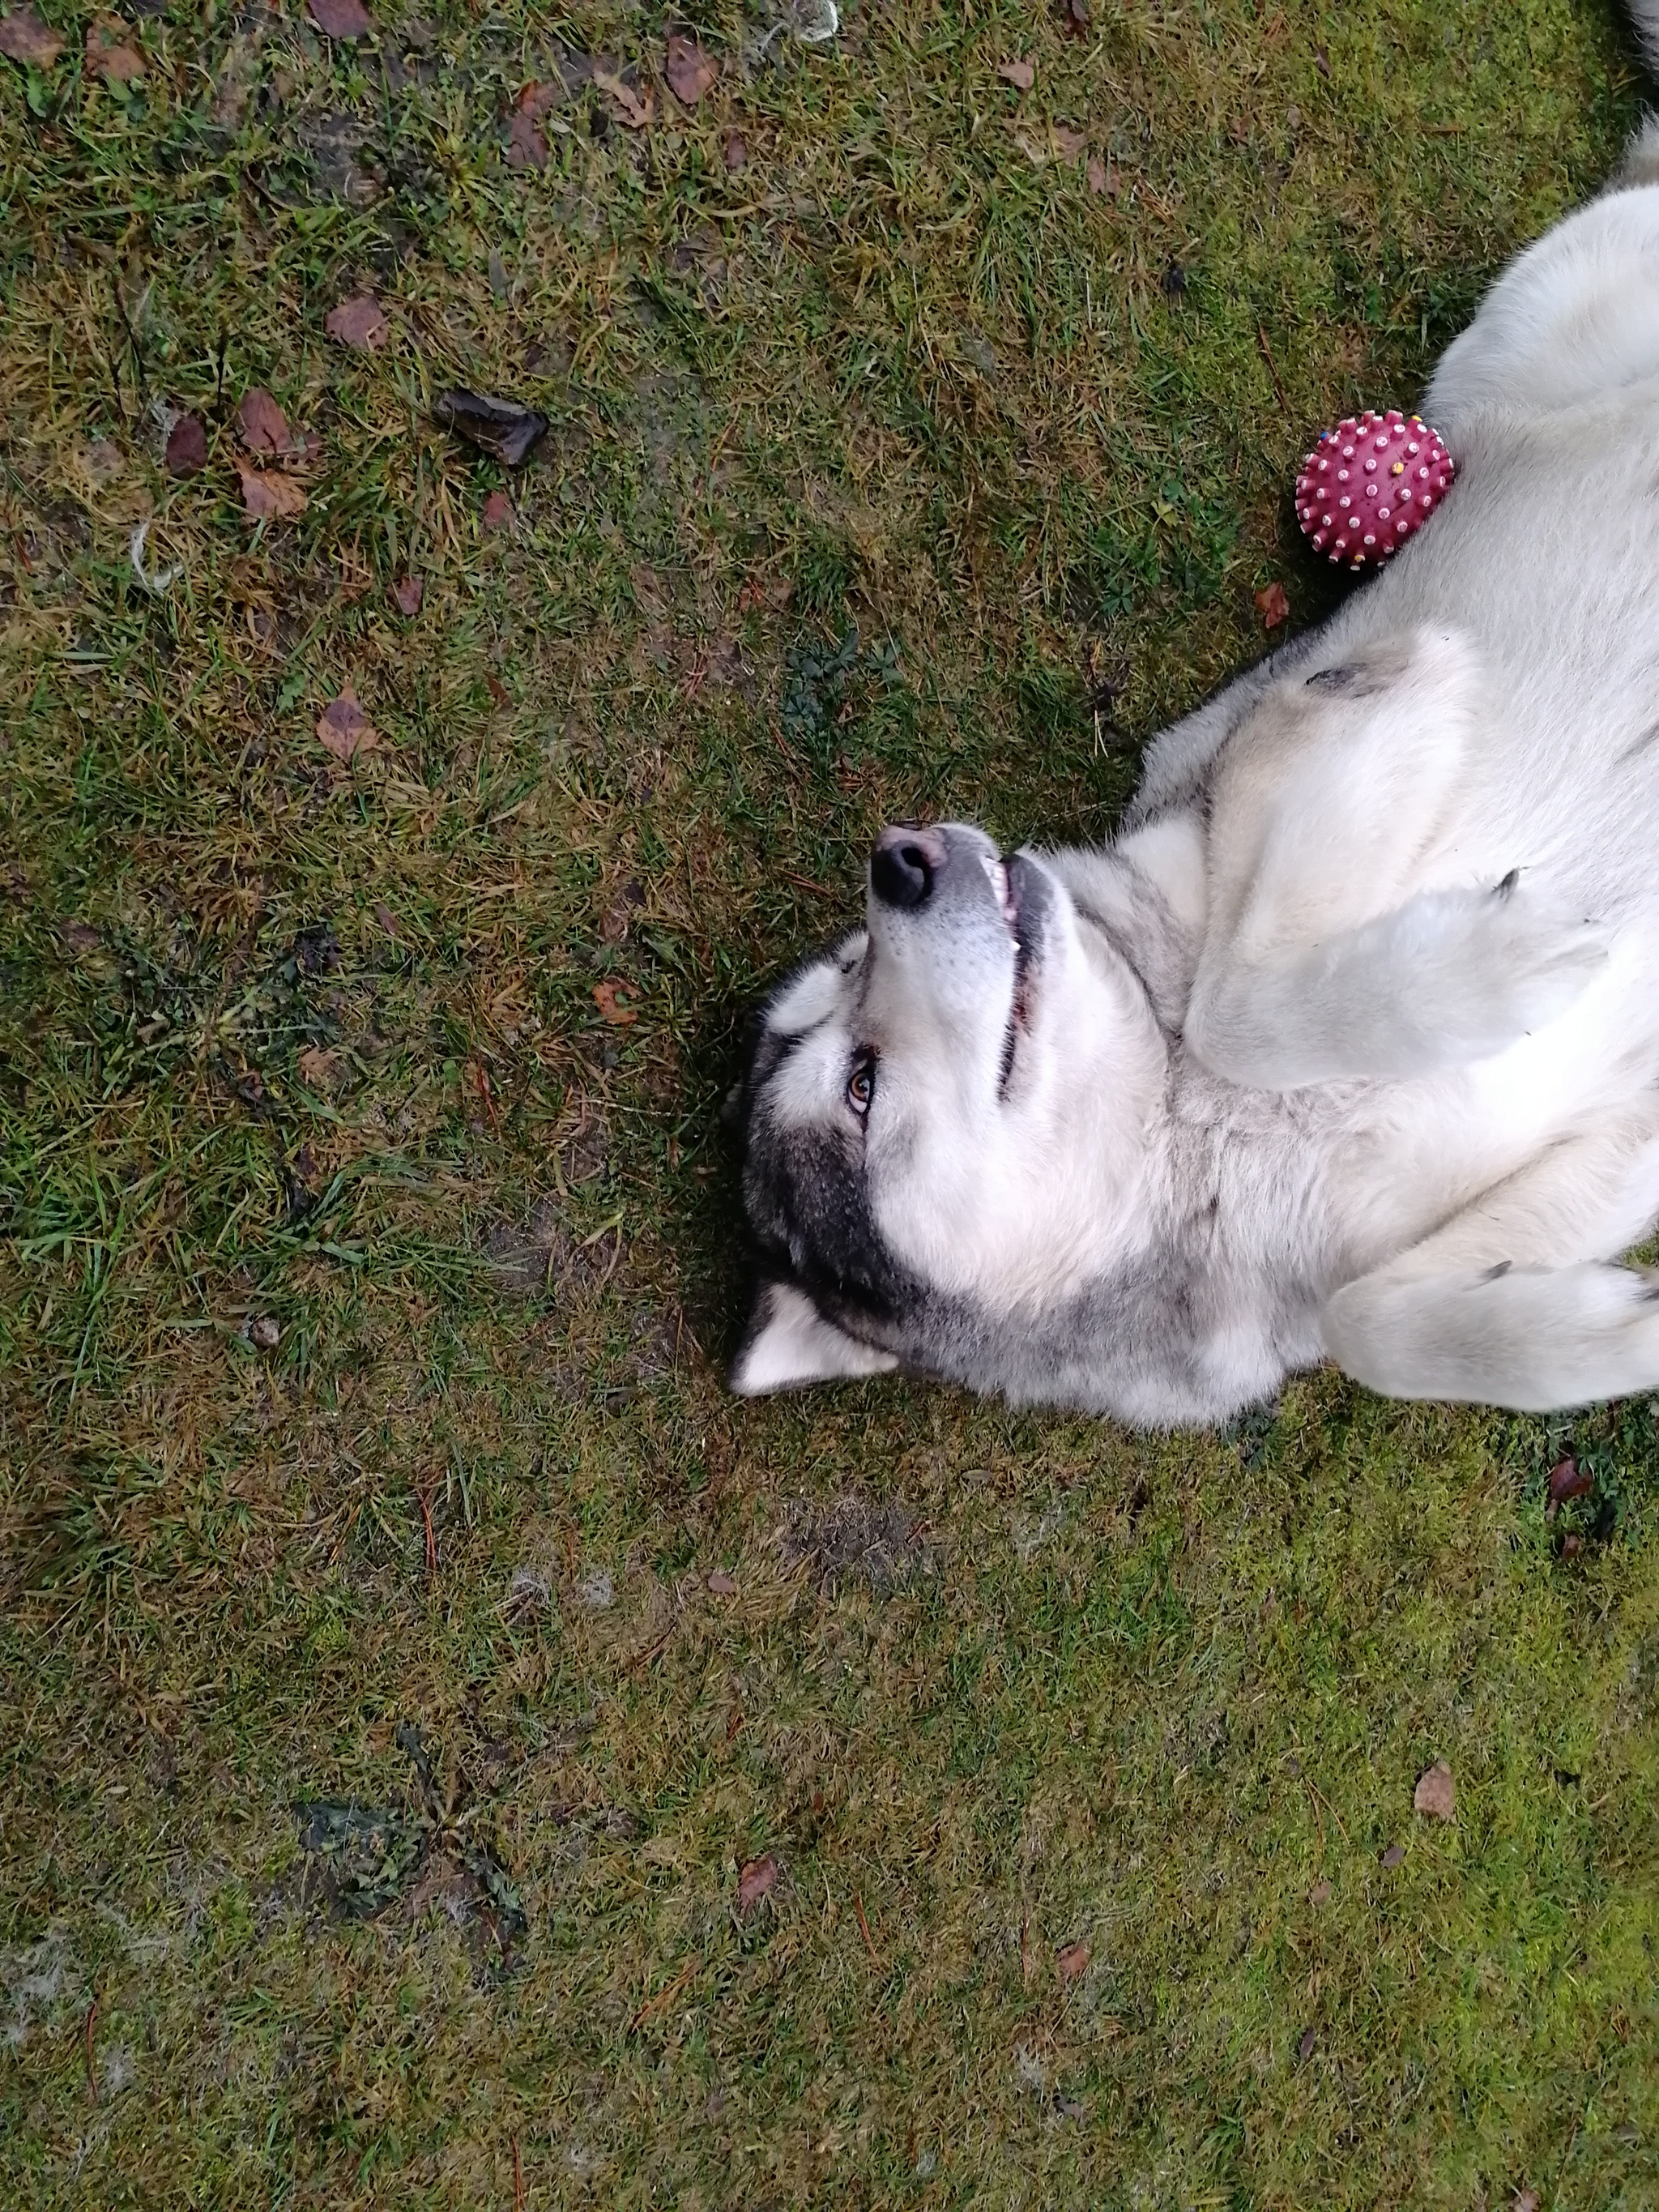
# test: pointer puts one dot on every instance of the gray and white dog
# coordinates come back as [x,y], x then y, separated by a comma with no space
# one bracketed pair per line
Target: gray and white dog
[1347,1046]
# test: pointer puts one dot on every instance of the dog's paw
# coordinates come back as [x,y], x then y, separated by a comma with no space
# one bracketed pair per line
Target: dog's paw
[1522,964]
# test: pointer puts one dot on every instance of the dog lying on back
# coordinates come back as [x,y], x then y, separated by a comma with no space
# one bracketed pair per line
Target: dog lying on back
[1347,1047]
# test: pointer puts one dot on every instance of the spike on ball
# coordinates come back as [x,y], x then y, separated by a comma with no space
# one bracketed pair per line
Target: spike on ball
[1391,445]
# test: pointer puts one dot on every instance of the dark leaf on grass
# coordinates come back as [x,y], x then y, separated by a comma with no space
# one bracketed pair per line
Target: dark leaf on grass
[343,728]
[261,424]
[357,322]
[497,511]
[1272,607]
[24,38]
[634,108]
[1395,1856]
[187,449]
[736,151]
[1435,1794]
[689,70]
[1071,1960]
[108,54]
[1076,18]
[498,427]
[339,19]
[408,592]
[1568,1480]
[756,1881]
[1304,2049]
[526,147]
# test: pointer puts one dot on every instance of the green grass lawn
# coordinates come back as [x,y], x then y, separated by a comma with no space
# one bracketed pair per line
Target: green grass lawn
[450,1753]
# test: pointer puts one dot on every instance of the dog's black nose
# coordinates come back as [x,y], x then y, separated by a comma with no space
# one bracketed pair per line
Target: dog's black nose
[905,864]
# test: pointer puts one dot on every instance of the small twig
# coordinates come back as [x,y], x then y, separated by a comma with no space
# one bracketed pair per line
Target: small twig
[517,2177]
[92,2077]
[1273,366]
[864,1931]
[1024,1946]
[806,883]
[431,1540]
[664,1996]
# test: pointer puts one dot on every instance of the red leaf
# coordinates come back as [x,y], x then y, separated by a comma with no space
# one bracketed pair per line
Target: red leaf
[1568,1480]
[357,322]
[497,691]
[24,38]
[610,997]
[108,53]
[497,511]
[269,495]
[343,728]
[261,424]
[340,18]
[756,1881]
[408,592]
[1071,1960]
[186,447]
[1272,607]
[689,71]
[1019,73]
[1435,1794]
[736,151]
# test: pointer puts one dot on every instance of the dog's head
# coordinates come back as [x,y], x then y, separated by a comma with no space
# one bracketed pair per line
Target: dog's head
[941,1117]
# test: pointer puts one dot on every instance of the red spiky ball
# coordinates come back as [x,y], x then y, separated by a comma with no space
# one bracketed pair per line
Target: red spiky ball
[1369,483]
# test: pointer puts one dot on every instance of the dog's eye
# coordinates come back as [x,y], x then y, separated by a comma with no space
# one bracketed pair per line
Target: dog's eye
[861,1087]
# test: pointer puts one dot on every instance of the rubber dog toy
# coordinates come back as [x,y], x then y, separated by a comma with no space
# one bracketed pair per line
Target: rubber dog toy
[1369,483]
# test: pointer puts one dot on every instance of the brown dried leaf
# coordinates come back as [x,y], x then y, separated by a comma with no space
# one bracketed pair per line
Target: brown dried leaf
[1435,1794]
[500,427]
[108,54]
[722,1583]
[756,1881]
[611,999]
[1101,179]
[358,322]
[408,592]
[1019,73]
[344,730]
[629,107]
[527,146]
[1075,17]
[186,446]
[1069,145]
[689,70]
[1272,607]
[261,424]
[1321,1892]
[317,1062]
[268,495]
[736,152]
[1071,1960]
[497,511]
[1568,1480]
[24,38]
[340,18]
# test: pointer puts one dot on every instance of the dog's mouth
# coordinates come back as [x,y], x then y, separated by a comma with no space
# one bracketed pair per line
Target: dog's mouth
[1010,881]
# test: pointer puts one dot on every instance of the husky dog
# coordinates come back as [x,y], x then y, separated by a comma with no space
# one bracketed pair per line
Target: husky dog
[1347,1046]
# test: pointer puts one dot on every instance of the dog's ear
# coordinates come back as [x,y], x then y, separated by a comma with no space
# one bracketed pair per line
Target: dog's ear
[790,1344]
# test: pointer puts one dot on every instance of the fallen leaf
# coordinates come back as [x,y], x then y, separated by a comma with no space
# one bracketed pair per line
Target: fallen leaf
[186,446]
[1098,178]
[408,592]
[108,54]
[344,730]
[24,38]
[526,144]
[722,1583]
[1571,1545]
[497,691]
[756,1881]
[1568,1480]
[1075,17]
[261,424]
[1272,607]
[1395,1856]
[103,461]
[1018,73]
[1069,144]
[268,495]
[689,70]
[340,18]
[80,937]
[1435,1794]
[1304,2049]
[610,998]
[1319,1893]
[358,322]
[736,152]
[317,1065]
[627,105]
[265,1333]
[384,916]
[1526,2202]
[497,511]
[499,427]
[1071,1960]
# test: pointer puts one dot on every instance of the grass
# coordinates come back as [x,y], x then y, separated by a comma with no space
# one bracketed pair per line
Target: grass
[379,1762]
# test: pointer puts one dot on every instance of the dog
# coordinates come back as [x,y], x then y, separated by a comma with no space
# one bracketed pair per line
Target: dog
[1347,1047]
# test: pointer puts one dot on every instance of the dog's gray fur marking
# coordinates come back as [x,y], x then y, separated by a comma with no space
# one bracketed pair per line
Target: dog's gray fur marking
[1347,1046]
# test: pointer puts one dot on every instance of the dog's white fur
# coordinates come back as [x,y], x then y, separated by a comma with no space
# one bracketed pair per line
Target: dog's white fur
[1379,946]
